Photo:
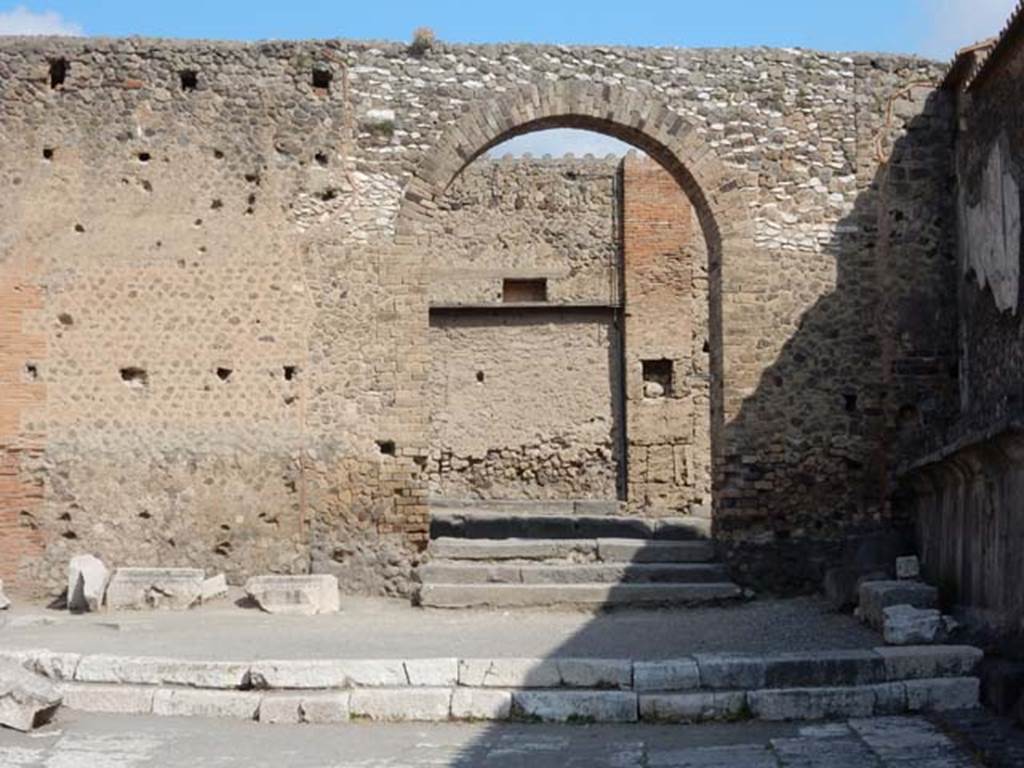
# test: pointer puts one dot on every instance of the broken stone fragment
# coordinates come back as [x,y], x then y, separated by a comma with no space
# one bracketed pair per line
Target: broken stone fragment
[214,587]
[26,699]
[876,596]
[5,603]
[302,595]
[906,625]
[134,589]
[908,567]
[87,583]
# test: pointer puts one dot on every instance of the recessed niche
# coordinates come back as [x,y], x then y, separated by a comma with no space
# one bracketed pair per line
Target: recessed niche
[322,78]
[58,72]
[189,79]
[386,447]
[517,290]
[657,378]
[134,376]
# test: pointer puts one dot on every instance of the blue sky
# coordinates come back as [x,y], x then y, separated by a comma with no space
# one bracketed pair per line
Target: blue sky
[933,28]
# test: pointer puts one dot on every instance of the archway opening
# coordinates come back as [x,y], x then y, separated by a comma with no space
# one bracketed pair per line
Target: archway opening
[571,325]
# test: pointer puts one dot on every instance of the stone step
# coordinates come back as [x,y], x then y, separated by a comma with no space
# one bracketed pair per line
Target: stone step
[576,550]
[528,507]
[456,572]
[579,595]
[471,524]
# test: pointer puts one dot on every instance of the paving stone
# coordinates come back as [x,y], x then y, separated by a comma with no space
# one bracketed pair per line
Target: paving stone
[298,595]
[545,673]
[100,668]
[925,661]
[576,706]
[154,588]
[906,625]
[103,697]
[189,702]
[326,673]
[214,587]
[944,693]
[27,700]
[432,672]
[481,704]
[847,751]
[910,742]
[87,583]
[668,675]
[727,756]
[401,704]
[876,596]
[692,707]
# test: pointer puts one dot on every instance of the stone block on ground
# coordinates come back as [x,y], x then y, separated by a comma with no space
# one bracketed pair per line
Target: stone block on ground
[481,704]
[693,707]
[913,662]
[876,596]
[87,583]
[906,625]
[214,587]
[436,673]
[325,708]
[27,700]
[908,567]
[281,708]
[576,706]
[5,602]
[299,595]
[402,704]
[545,673]
[817,703]
[667,675]
[111,699]
[133,589]
[188,702]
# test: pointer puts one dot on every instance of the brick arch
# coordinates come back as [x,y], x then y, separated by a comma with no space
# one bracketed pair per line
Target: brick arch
[720,195]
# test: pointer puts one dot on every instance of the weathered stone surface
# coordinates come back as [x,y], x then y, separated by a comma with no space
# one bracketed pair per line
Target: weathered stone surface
[669,675]
[876,596]
[325,708]
[692,707]
[26,699]
[401,704]
[5,601]
[545,673]
[908,567]
[731,671]
[56,665]
[301,595]
[100,668]
[481,704]
[132,589]
[281,708]
[812,703]
[906,625]
[831,668]
[214,587]
[924,661]
[940,694]
[187,702]
[87,583]
[436,673]
[576,706]
[328,673]
[100,697]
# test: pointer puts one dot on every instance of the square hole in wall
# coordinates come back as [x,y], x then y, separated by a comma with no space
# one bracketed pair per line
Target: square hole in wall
[386,447]
[322,78]
[657,378]
[58,72]
[189,79]
[516,290]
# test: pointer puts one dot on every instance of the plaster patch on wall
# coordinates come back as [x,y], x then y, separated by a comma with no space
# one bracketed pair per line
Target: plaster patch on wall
[991,242]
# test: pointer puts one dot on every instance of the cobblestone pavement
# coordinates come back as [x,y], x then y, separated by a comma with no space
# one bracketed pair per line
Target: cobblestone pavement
[96,741]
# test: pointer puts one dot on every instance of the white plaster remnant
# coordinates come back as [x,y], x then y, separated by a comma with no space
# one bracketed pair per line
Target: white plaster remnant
[990,231]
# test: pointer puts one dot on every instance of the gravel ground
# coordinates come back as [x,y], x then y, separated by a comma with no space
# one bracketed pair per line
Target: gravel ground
[368,628]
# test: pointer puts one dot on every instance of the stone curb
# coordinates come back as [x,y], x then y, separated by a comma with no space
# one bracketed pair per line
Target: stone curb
[430,704]
[707,672]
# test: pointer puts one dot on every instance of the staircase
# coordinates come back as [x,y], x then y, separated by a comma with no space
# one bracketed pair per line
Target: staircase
[509,554]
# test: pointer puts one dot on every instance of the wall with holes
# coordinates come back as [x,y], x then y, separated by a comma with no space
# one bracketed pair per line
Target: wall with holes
[219,337]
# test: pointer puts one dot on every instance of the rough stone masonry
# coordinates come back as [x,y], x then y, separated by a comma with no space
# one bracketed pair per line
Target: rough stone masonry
[235,281]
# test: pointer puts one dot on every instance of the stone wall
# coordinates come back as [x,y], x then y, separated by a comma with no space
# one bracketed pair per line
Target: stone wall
[229,245]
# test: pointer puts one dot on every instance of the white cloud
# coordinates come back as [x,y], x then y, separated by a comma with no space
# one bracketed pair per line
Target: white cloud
[22,21]
[561,141]
[956,23]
